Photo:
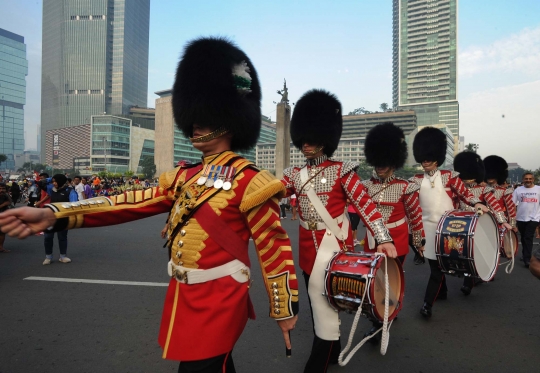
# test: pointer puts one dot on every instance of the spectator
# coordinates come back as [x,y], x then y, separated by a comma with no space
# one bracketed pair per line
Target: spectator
[15,192]
[88,193]
[96,181]
[60,193]
[355,220]
[293,207]
[5,203]
[46,188]
[527,200]
[283,206]
[79,187]
[33,193]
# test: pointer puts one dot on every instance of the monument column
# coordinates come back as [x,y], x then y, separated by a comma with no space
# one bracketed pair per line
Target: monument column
[283,138]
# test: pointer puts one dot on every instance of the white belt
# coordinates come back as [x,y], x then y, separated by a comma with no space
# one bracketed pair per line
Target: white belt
[236,269]
[395,224]
[318,226]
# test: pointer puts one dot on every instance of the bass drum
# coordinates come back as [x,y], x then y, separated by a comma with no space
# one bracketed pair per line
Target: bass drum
[509,243]
[468,244]
[348,274]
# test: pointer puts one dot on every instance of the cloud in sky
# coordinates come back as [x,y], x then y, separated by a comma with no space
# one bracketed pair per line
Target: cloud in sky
[517,53]
[514,137]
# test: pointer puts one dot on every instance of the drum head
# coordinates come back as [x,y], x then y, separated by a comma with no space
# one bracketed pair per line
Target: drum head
[510,244]
[395,282]
[486,243]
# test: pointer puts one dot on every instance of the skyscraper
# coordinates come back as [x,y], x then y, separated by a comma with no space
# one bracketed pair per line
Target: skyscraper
[95,60]
[13,70]
[425,60]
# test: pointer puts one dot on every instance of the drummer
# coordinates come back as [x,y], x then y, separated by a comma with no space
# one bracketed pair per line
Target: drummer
[396,198]
[438,190]
[316,127]
[496,175]
[471,172]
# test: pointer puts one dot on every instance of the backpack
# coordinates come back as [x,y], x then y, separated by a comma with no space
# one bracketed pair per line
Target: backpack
[73,196]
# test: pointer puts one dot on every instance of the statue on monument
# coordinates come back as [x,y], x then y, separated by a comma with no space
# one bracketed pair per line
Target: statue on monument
[284,93]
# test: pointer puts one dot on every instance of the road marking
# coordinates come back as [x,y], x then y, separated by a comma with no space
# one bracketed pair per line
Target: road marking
[87,281]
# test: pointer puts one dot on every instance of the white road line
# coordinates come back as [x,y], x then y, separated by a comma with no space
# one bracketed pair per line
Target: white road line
[105,282]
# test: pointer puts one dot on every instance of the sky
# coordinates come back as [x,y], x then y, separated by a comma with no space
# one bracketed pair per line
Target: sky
[346,48]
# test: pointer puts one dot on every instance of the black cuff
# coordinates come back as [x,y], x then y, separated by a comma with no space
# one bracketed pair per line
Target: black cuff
[60,225]
[295,306]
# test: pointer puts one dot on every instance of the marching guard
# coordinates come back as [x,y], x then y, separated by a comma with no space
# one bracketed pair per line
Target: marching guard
[438,191]
[216,206]
[496,175]
[322,188]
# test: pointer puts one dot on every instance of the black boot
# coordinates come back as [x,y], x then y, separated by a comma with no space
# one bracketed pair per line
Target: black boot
[426,310]
[376,326]
[466,290]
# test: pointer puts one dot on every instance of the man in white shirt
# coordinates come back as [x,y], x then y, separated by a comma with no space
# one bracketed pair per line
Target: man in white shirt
[527,200]
[79,187]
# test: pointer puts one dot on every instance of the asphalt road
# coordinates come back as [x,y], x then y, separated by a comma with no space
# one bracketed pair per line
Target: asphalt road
[80,327]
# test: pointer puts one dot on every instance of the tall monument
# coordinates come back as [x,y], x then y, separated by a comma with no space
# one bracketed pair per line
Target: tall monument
[283,132]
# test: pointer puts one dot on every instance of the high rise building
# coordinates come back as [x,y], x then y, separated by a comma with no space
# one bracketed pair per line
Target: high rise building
[425,61]
[13,70]
[95,60]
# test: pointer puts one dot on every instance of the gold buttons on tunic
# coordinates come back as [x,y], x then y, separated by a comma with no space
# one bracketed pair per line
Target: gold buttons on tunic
[178,254]
[274,285]
[276,299]
[276,305]
[277,311]
[183,232]
[180,243]
[275,292]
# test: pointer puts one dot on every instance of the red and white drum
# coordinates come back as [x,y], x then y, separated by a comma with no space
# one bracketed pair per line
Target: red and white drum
[348,274]
[468,244]
[509,243]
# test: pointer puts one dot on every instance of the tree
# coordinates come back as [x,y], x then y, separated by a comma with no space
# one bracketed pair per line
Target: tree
[364,170]
[359,111]
[3,158]
[384,107]
[471,147]
[148,167]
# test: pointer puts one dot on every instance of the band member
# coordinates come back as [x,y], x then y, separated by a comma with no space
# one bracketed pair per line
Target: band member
[396,198]
[496,175]
[471,171]
[438,190]
[322,188]
[215,207]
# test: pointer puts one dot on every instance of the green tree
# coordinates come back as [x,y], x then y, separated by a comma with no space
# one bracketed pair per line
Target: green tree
[406,172]
[3,158]
[129,173]
[471,147]
[148,167]
[384,107]
[358,111]
[364,170]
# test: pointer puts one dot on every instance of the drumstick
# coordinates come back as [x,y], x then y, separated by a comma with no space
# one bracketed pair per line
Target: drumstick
[288,351]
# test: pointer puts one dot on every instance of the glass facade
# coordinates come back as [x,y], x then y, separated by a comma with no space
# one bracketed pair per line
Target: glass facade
[13,72]
[110,148]
[359,125]
[425,60]
[95,59]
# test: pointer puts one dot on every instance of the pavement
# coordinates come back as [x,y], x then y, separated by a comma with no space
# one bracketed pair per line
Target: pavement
[107,326]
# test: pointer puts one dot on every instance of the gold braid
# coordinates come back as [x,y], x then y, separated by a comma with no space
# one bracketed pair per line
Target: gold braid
[210,136]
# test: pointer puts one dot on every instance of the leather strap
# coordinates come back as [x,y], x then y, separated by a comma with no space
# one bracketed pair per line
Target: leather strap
[330,222]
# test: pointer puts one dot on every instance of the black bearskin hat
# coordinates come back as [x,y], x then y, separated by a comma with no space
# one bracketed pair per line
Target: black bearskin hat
[496,168]
[430,145]
[317,120]
[385,146]
[212,89]
[470,166]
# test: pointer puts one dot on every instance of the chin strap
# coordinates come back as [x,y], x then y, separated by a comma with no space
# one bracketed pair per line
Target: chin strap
[210,136]
[342,360]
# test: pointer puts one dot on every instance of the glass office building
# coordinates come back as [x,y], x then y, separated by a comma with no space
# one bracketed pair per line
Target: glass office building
[425,61]
[95,60]
[13,72]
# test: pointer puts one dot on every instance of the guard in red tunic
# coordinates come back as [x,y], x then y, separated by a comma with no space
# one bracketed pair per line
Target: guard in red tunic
[496,175]
[396,198]
[215,207]
[438,191]
[322,188]
[471,172]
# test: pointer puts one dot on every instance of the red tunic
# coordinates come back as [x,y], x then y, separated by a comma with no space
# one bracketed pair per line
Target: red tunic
[341,184]
[504,197]
[397,200]
[206,319]
[485,195]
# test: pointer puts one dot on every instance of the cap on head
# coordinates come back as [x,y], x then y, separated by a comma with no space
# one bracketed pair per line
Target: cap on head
[217,86]
[317,120]
[496,168]
[385,146]
[430,145]
[60,179]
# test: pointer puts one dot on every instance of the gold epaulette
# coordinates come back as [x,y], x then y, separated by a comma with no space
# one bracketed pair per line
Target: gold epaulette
[260,189]
[166,179]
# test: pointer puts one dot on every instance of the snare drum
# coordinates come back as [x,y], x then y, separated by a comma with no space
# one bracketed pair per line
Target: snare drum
[467,244]
[347,276]
[509,243]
